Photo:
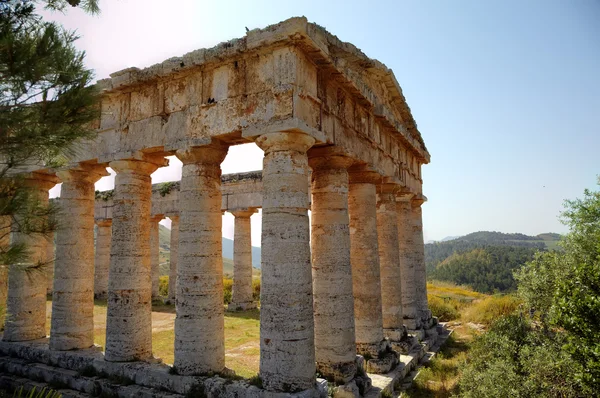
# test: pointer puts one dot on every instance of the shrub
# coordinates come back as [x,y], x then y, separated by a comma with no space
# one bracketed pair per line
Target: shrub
[163,286]
[227,290]
[491,308]
[256,289]
[443,308]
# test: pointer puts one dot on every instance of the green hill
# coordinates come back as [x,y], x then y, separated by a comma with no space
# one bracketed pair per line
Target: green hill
[484,260]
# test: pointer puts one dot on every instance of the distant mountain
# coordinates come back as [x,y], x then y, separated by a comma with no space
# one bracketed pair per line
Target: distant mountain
[485,260]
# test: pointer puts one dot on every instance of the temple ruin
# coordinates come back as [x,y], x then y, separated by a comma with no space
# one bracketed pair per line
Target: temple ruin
[343,295]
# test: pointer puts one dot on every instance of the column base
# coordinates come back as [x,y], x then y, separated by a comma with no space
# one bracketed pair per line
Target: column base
[339,373]
[233,307]
[400,341]
[412,323]
[380,358]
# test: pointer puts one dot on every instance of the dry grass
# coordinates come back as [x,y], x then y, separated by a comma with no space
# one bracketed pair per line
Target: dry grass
[241,336]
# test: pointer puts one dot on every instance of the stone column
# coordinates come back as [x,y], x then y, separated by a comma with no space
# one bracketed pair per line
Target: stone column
[102,257]
[287,351]
[72,325]
[362,205]
[26,298]
[406,244]
[5,224]
[155,255]
[419,259]
[335,346]
[391,279]
[173,256]
[199,323]
[241,297]
[50,255]
[129,312]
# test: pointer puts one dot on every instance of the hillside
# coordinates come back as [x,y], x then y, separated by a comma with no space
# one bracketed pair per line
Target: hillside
[485,260]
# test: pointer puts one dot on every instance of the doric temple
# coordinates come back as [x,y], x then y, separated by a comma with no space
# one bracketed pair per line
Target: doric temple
[343,297]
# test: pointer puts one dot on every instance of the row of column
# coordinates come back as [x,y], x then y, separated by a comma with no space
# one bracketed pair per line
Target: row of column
[363,283]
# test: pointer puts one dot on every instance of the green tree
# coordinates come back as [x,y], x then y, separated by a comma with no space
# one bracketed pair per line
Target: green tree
[47,107]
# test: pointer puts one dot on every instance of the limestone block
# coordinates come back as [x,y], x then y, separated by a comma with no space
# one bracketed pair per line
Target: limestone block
[287,360]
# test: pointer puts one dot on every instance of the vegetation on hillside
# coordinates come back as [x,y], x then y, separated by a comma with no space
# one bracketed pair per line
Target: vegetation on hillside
[484,260]
[552,347]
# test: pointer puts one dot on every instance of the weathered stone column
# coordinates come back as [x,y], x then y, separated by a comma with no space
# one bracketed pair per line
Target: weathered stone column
[129,312]
[155,255]
[5,224]
[335,346]
[102,257]
[241,297]
[419,259]
[72,324]
[287,351]
[391,279]
[199,324]
[406,244]
[26,299]
[362,205]
[50,255]
[173,256]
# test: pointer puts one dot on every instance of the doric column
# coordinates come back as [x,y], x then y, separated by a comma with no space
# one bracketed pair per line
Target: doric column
[102,257]
[287,351]
[5,224]
[26,299]
[129,312]
[391,279]
[72,325]
[419,259]
[362,205]
[406,244]
[173,256]
[241,298]
[50,255]
[335,346]
[199,323]
[154,255]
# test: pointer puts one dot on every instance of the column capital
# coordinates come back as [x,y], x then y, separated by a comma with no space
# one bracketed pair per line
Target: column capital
[362,174]
[156,217]
[213,153]
[173,217]
[326,158]
[41,180]
[285,141]
[418,200]
[103,222]
[83,172]
[389,185]
[243,212]
[147,165]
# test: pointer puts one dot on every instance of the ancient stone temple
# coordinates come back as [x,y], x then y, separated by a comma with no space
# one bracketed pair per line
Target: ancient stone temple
[343,293]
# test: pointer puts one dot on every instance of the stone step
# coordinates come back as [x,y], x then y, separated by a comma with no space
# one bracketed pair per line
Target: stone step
[11,383]
[76,384]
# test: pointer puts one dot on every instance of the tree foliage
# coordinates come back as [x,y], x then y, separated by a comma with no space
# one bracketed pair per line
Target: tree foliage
[47,106]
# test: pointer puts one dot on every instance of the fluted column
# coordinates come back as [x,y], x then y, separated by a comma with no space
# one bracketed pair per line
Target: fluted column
[155,255]
[5,224]
[50,255]
[241,297]
[419,259]
[335,346]
[362,206]
[199,323]
[129,312]
[102,257]
[287,351]
[72,325]
[406,244]
[173,256]
[391,277]
[26,299]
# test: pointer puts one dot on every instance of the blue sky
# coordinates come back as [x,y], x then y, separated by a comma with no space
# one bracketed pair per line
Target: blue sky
[506,93]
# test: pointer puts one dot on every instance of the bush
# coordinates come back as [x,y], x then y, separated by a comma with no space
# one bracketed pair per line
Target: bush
[256,289]
[489,309]
[163,286]
[227,290]
[443,308]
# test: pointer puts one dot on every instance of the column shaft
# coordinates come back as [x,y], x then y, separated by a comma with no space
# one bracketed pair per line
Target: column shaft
[406,245]
[72,325]
[287,353]
[26,298]
[335,347]
[154,256]
[362,205]
[102,258]
[241,298]
[199,324]
[173,256]
[419,259]
[50,255]
[5,224]
[391,279]
[129,313]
